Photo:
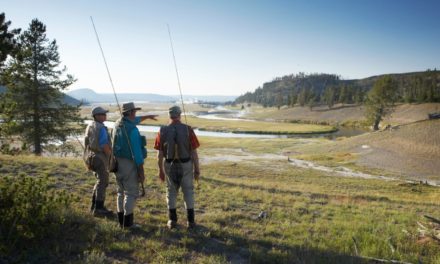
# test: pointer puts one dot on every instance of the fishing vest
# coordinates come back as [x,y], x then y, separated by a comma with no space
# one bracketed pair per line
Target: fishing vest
[91,139]
[175,142]
[123,129]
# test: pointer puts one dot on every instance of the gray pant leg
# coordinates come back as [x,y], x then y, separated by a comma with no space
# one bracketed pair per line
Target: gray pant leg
[172,189]
[128,185]
[120,196]
[188,184]
[102,177]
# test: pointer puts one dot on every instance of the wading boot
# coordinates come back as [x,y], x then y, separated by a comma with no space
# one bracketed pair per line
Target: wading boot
[190,224]
[172,216]
[100,209]
[121,219]
[128,221]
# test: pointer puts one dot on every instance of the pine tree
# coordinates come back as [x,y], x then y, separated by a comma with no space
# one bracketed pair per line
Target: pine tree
[358,96]
[329,96]
[293,99]
[33,103]
[302,97]
[312,100]
[7,39]
[435,86]
[343,94]
[380,100]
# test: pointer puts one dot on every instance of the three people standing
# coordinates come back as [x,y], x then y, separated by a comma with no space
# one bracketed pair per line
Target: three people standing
[177,161]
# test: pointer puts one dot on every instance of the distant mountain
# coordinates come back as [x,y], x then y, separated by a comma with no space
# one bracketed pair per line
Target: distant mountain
[67,99]
[90,96]
[70,100]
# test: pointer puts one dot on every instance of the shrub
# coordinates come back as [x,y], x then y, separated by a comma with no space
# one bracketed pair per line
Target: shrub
[30,212]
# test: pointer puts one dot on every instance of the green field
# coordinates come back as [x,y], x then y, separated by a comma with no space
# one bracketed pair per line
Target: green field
[255,127]
[311,216]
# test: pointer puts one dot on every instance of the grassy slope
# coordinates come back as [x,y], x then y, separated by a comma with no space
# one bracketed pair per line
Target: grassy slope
[403,114]
[411,150]
[312,217]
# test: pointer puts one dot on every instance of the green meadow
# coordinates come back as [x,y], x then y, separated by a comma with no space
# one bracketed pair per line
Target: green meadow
[253,206]
[251,127]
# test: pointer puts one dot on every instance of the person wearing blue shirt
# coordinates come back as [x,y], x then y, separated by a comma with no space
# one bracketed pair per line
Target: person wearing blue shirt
[130,152]
[97,153]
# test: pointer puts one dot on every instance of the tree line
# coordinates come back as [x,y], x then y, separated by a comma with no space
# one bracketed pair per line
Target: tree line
[32,105]
[329,89]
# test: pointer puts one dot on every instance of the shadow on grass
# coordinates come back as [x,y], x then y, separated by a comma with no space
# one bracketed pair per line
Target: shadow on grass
[311,195]
[236,248]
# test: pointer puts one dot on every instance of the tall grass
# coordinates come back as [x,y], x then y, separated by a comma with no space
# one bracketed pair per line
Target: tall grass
[309,216]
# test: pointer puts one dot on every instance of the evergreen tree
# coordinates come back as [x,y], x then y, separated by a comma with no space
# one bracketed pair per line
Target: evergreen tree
[435,86]
[293,99]
[312,100]
[302,97]
[329,96]
[408,91]
[7,39]
[358,96]
[342,94]
[33,103]
[279,99]
[380,100]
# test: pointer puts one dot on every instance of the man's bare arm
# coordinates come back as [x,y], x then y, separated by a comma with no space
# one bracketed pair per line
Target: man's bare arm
[160,165]
[195,159]
[145,117]
[107,150]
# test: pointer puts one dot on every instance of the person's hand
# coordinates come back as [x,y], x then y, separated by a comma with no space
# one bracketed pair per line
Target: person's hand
[162,175]
[196,174]
[141,176]
[152,117]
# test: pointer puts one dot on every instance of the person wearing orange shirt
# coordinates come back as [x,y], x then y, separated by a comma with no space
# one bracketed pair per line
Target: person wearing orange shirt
[178,164]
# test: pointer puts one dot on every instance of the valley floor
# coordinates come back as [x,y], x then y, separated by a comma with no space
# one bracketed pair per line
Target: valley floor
[253,206]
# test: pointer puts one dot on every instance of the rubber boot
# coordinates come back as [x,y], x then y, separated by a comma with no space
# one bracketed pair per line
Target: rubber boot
[128,220]
[190,217]
[121,219]
[92,207]
[100,209]
[172,219]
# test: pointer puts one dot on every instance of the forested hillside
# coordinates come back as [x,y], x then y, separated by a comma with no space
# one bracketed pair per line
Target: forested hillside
[329,89]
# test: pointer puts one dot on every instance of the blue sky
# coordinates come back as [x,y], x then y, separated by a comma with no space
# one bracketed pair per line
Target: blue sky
[231,47]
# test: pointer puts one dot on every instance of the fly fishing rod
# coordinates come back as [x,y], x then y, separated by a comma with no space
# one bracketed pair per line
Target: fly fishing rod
[116,98]
[177,74]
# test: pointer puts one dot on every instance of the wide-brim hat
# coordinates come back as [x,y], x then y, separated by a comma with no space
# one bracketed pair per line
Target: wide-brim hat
[98,111]
[129,107]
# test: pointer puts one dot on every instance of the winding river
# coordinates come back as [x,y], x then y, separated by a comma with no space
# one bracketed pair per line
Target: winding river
[223,114]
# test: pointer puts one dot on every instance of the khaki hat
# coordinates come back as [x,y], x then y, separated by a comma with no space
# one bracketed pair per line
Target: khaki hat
[129,106]
[174,111]
[98,110]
